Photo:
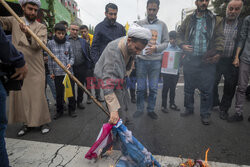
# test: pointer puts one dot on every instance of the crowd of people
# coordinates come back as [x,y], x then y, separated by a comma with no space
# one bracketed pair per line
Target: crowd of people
[211,47]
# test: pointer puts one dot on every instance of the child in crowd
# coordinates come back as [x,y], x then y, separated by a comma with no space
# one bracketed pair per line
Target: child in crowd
[170,80]
[62,50]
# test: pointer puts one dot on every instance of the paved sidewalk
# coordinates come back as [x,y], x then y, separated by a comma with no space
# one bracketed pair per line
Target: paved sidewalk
[23,153]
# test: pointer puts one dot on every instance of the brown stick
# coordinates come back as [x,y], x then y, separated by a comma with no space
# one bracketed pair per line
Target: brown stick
[55,58]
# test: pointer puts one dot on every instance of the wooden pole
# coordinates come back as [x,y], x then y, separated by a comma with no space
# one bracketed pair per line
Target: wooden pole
[55,58]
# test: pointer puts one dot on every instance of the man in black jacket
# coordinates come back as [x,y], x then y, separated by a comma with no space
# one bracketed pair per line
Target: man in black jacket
[105,32]
[232,26]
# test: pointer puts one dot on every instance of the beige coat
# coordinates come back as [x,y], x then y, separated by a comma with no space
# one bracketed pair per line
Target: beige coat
[29,106]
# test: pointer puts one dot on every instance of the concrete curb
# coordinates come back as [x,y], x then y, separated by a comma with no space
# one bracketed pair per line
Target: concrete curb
[23,153]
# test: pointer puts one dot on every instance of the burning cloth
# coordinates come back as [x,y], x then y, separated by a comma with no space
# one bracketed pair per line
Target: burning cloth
[134,153]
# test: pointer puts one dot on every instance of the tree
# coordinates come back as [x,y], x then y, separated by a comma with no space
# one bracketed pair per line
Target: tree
[49,15]
[220,7]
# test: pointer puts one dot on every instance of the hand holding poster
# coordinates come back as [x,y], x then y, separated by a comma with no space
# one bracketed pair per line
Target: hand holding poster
[170,62]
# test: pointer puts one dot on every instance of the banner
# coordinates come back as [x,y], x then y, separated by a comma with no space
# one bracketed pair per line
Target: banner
[170,62]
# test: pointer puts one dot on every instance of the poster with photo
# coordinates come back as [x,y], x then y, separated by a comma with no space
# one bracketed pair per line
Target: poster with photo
[156,31]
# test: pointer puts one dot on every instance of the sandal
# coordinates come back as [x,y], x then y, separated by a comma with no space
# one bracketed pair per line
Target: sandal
[25,129]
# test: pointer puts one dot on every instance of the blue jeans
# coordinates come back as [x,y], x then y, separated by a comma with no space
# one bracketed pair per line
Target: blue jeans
[51,84]
[203,78]
[147,69]
[3,124]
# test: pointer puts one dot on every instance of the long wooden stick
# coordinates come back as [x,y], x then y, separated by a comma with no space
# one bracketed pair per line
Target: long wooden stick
[55,58]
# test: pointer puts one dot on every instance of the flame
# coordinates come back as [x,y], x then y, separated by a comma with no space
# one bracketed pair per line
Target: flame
[206,164]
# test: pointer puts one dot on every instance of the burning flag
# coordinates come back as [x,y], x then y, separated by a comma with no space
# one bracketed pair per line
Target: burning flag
[134,153]
[102,144]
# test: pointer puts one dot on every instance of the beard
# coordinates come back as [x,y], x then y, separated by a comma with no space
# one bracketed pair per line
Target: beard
[231,17]
[202,8]
[30,18]
[112,21]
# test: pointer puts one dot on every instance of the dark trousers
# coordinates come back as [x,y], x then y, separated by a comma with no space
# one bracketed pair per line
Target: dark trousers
[132,84]
[230,73]
[169,83]
[203,78]
[60,95]
[4,161]
[82,74]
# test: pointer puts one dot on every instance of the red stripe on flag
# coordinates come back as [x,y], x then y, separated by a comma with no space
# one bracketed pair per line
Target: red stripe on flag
[165,59]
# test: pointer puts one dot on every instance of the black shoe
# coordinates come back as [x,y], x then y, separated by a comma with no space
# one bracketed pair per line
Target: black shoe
[235,118]
[164,110]
[57,115]
[223,115]
[137,114]
[153,115]
[100,99]
[133,100]
[249,118]
[174,107]
[186,113]
[72,114]
[205,120]
[23,131]
[80,106]
[89,101]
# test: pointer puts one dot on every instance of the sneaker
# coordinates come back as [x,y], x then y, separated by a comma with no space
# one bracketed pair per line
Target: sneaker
[186,113]
[57,115]
[153,115]
[216,108]
[72,114]
[235,118]
[174,107]
[133,100]
[23,131]
[100,99]
[223,115]
[137,114]
[80,106]
[45,128]
[89,101]
[164,110]
[205,120]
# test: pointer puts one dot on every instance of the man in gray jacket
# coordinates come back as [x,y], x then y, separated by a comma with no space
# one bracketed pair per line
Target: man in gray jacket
[148,63]
[111,69]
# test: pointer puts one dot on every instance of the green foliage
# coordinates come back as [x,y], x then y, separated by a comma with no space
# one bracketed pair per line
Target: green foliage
[49,15]
[91,29]
[220,7]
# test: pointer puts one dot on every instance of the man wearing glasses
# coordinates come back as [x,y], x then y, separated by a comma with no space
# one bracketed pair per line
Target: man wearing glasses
[202,39]
[105,32]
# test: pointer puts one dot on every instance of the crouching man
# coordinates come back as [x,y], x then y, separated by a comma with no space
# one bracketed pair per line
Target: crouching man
[113,65]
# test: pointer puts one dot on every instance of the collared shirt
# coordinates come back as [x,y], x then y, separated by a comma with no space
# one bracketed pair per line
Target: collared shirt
[200,41]
[230,33]
[64,53]
[105,33]
[77,51]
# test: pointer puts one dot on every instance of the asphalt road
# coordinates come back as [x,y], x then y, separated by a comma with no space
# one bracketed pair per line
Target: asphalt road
[170,135]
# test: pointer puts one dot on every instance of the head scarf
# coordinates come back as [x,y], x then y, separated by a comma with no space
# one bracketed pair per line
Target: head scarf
[37,2]
[139,32]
